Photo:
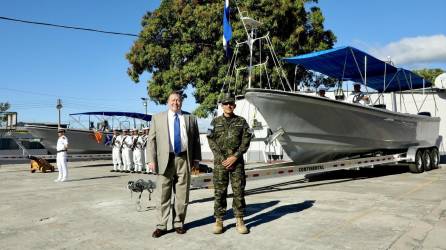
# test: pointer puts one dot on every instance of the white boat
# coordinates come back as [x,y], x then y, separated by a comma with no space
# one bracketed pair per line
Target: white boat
[16,144]
[314,129]
[92,140]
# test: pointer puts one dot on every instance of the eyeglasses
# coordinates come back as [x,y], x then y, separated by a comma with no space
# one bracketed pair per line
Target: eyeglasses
[228,103]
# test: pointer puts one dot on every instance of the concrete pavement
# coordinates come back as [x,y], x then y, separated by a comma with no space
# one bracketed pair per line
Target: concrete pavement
[381,208]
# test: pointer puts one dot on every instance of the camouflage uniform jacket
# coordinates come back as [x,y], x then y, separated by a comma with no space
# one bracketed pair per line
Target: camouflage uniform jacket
[229,136]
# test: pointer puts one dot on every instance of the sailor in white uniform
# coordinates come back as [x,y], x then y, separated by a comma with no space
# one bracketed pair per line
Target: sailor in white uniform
[145,138]
[116,144]
[138,153]
[127,155]
[61,157]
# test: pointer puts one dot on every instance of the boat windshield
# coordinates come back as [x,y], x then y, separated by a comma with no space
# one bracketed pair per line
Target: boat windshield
[107,121]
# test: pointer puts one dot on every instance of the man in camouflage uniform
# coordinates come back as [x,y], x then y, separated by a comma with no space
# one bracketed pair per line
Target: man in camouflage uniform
[229,140]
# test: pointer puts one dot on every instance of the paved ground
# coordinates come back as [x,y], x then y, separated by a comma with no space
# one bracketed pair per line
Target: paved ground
[381,208]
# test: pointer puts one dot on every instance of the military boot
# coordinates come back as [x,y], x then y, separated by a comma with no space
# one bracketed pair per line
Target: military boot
[240,225]
[218,227]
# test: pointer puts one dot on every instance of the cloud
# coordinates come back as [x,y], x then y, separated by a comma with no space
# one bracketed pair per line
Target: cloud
[414,50]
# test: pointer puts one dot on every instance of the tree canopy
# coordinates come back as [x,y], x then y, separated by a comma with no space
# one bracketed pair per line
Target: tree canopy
[180,43]
[429,74]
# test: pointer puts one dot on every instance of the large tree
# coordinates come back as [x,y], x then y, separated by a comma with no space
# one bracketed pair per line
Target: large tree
[181,43]
[429,74]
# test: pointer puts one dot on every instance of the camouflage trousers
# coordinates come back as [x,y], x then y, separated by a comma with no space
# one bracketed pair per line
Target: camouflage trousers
[238,183]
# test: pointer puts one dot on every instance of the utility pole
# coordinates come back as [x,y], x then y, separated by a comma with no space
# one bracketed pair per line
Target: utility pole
[59,107]
[144,102]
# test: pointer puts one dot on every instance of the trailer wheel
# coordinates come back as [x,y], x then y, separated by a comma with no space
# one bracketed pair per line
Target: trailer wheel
[435,158]
[427,163]
[417,167]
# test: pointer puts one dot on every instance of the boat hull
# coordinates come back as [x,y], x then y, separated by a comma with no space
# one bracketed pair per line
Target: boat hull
[79,141]
[319,129]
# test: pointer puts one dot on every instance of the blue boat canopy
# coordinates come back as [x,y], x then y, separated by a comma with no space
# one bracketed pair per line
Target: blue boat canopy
[349,64]
[126,114]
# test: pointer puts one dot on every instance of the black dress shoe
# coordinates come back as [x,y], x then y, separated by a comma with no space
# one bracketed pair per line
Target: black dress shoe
[180,230]
[112,170]
[158,233]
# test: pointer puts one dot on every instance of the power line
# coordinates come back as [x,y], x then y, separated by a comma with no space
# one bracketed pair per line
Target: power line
[67,27]
[94,30]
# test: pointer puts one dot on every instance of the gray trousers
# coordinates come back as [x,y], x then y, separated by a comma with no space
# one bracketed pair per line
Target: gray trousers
[175,180]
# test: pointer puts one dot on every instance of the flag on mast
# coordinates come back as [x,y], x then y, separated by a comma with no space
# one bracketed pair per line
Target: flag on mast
[227,30]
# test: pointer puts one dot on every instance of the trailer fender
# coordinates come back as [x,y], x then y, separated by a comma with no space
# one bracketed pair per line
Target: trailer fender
[439,142]
[411,152]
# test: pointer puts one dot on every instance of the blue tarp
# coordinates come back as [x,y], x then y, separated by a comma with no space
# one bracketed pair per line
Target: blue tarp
[126,114]
[347,64]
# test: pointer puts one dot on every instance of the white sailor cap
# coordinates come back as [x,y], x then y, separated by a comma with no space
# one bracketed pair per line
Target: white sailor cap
[146,128]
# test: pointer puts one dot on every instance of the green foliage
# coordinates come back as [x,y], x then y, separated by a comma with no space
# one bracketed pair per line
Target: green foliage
[4,106]
[181,43]
[429,74]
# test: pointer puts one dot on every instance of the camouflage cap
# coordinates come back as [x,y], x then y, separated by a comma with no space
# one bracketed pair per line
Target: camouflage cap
[228,98]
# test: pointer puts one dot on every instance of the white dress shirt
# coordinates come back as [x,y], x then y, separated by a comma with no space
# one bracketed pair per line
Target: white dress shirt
[171,121]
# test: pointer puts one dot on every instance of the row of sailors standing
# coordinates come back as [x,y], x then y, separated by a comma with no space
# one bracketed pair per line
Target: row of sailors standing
[129,151]
[357,96]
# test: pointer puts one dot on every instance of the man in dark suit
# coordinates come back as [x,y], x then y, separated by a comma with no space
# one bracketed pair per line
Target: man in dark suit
[173,147]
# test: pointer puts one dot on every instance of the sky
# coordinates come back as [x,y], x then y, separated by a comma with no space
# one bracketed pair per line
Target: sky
[88,71]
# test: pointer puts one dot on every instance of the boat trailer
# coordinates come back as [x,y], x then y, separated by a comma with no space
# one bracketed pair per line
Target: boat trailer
[418,160]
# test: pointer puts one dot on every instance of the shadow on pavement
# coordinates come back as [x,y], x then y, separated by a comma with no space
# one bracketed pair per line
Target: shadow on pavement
[363,173]
[276,213]
[94,178]
[94,165]
[249,210]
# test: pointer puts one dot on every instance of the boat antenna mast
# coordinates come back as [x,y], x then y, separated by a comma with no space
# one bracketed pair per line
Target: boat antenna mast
[250,26]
